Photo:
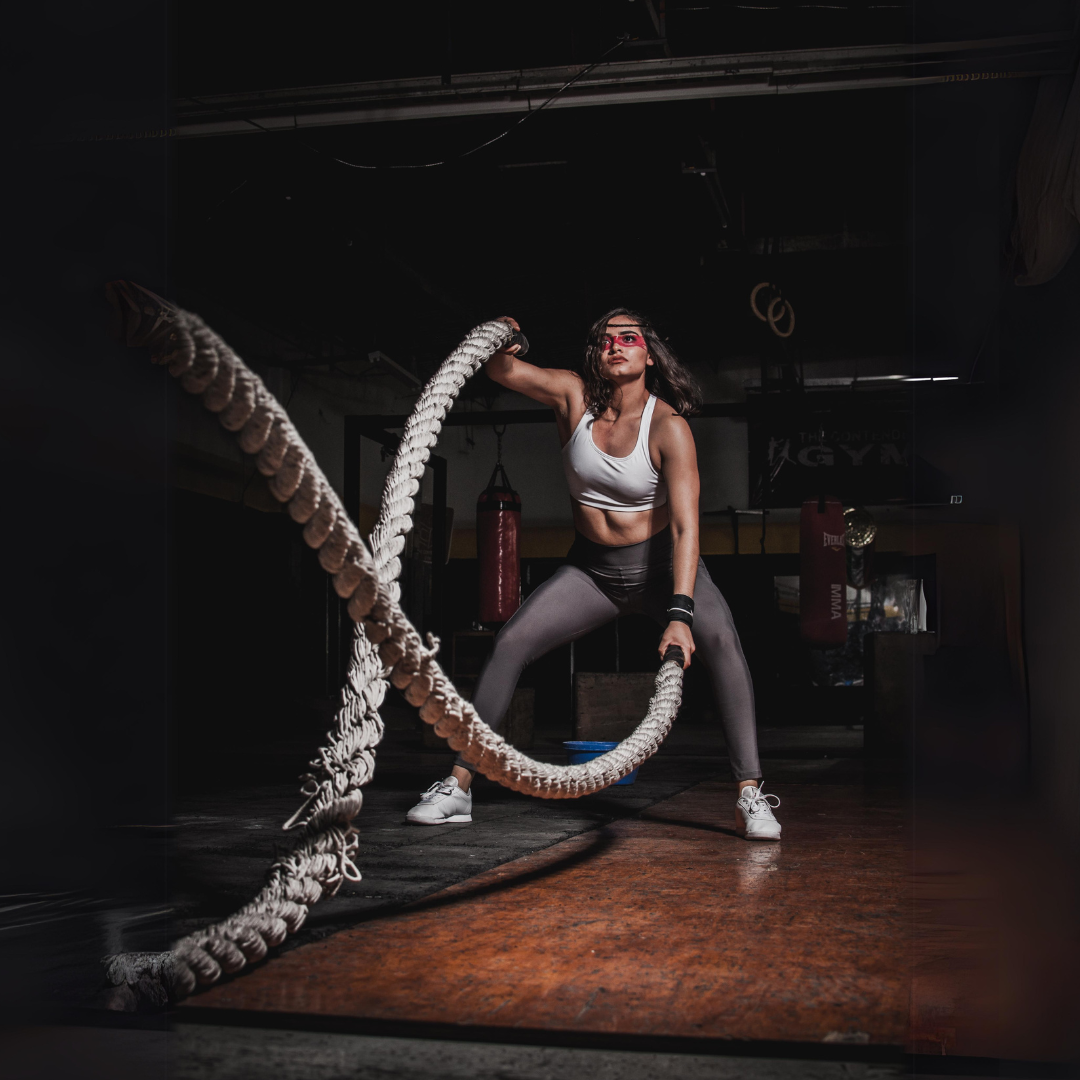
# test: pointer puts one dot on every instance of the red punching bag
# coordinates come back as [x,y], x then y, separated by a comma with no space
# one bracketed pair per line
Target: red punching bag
[822,572]
[498,526]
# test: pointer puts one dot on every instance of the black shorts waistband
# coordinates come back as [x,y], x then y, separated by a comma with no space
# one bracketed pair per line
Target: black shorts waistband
[601,560]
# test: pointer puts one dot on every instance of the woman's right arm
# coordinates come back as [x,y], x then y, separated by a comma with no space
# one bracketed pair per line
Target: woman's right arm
[550,386]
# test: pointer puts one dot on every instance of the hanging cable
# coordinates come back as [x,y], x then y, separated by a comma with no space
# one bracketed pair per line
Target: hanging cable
[445,161]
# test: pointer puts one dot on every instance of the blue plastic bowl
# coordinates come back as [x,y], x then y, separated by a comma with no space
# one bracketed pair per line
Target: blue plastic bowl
[580,751]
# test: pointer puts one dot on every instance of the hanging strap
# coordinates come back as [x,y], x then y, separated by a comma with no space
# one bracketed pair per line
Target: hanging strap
[499,471]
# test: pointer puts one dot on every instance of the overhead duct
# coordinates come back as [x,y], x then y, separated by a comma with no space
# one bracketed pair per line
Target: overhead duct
[624,82]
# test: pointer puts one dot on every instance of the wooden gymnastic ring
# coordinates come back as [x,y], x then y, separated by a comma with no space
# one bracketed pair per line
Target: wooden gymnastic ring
[753,297]
[774,317]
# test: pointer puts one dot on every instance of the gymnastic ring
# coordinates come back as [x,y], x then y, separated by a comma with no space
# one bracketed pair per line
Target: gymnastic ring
[775,317]
[753,297]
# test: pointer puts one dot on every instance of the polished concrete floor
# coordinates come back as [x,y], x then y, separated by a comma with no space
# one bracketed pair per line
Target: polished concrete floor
[201,1051]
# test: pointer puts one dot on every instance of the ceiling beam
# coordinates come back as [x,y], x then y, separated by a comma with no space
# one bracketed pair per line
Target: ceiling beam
[623,82]
[377,424]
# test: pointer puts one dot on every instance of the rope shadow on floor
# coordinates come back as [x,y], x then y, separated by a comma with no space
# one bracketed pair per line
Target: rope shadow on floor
[599,844]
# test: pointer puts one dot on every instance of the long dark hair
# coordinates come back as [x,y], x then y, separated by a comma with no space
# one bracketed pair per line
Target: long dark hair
[667,377]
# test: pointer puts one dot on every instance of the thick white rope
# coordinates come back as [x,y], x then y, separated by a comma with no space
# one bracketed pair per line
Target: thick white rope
[385,643]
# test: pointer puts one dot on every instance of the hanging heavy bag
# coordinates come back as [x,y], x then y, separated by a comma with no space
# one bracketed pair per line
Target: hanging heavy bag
[498,527]
[822,572]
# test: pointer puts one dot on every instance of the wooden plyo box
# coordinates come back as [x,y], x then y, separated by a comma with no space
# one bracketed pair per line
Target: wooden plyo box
[519,724]
[518,731]
[608,706]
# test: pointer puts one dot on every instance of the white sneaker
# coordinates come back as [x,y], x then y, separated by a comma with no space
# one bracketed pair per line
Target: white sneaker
[442,802]
[754,815]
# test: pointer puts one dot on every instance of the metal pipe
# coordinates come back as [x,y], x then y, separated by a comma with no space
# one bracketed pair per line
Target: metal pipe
[623,82]
[375,425]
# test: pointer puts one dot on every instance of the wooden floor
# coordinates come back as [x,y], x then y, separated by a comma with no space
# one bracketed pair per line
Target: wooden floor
[665,924]
[996,934]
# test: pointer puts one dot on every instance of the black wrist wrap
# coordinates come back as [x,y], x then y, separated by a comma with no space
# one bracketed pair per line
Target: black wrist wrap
[681,609]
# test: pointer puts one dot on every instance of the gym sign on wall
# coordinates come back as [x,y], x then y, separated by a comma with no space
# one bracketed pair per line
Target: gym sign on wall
[859,450]
[815,448]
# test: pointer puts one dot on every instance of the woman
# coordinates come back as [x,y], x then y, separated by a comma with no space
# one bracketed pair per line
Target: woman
[631,465]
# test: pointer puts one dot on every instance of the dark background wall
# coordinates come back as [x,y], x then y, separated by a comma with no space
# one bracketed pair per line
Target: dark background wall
[1040,344]
[84,621]
[1012,455]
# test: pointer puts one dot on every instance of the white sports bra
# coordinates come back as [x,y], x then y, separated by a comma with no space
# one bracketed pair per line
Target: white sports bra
[613,483]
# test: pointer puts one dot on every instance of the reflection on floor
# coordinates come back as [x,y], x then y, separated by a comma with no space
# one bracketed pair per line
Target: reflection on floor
[665,923]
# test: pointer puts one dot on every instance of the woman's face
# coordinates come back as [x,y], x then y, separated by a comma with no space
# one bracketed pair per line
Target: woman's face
[623,353]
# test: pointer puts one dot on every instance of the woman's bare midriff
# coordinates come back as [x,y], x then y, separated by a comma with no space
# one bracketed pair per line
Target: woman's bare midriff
[617,528]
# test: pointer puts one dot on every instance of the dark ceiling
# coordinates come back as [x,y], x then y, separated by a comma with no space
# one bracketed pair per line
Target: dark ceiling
[577,210]
[405,261]
[246,47]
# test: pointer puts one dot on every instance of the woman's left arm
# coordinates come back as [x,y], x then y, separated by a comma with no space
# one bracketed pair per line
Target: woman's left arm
[678,464]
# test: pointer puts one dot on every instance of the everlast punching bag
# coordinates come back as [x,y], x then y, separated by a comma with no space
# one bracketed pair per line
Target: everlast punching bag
[498,526]
[822,572]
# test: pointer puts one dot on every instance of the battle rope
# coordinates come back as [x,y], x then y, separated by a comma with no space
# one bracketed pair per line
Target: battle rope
[385,643]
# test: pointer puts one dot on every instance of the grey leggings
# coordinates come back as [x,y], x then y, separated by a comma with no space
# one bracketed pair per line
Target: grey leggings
[600,583]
